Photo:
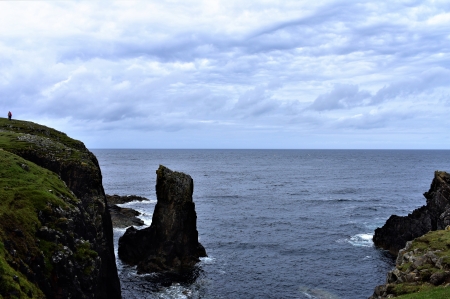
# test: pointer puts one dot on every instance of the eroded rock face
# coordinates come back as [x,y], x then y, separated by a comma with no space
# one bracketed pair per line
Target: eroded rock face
[84,264]
[170,244]
[433,216]
[424,261]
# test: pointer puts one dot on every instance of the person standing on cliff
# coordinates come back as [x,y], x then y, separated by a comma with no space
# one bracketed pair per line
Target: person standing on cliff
[9,115]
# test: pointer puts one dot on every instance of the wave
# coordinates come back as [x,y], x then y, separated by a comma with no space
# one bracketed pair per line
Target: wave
[361,240]
[315,293]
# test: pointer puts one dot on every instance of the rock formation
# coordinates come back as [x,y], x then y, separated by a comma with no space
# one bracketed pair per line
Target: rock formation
[433,216]
[117,199]
[124,217]
[421,265]
[170,244]
[63,247]
[420,243]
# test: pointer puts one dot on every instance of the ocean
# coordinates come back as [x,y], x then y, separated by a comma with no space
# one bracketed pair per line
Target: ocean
[277,223]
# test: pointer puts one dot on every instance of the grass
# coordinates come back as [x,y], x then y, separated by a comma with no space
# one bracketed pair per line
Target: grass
[440,292]
[26,190]
[26,127]
[22,136]
[438,242]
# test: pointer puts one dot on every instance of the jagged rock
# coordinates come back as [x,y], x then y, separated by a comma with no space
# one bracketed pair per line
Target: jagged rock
[117,199]
[124,217]
[423,262]
[170,244]
[68,269]
[434,215]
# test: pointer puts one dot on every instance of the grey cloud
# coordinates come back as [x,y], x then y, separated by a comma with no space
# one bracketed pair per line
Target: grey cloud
[257,101]
[342,96]
[346,96]
[428,80]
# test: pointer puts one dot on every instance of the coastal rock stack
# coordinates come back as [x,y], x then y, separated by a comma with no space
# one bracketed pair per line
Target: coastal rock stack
[170,244]
[433,216]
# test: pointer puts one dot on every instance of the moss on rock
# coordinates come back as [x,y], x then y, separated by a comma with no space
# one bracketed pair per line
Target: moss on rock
[55,229]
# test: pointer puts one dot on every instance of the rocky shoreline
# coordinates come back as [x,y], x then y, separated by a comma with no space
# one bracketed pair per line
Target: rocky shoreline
[56,222]
[421,242]
[124,217]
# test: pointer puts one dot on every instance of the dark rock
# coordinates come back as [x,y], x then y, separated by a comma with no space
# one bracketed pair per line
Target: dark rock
[438,278]
[124,217]
[88,272]
[170,244]
[434,215]
[117,199]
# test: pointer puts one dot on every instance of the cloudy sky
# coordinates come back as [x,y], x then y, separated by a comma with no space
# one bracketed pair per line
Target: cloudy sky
[231,74]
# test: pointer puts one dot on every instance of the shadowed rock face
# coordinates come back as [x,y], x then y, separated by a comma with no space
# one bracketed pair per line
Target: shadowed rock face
[83,262]
[170,244]
[433,216]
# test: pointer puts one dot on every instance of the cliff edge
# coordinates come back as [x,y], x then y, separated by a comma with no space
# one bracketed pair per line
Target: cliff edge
[56,238]
[433,216]
[422,246]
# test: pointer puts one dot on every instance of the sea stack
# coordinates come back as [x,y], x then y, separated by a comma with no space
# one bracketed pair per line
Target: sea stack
[170,244]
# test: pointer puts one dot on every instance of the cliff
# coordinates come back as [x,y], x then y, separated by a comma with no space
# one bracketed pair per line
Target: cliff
[56,238]
[171,243]
[421,245]
[433,216]
[422,268]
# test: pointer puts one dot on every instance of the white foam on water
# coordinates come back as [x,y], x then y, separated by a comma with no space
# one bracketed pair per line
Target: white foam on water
[137,202]
[208,260]
[144,207]
[316,293]
[362,240]
[176,291]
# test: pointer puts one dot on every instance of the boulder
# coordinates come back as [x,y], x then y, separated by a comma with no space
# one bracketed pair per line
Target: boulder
[170,244]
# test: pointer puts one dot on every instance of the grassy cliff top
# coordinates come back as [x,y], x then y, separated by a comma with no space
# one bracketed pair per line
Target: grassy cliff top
[428,256]
[25,189]
[27,127]
[35,201]
[23,136]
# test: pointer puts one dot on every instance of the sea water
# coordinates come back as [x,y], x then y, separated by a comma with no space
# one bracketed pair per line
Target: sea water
[277,223]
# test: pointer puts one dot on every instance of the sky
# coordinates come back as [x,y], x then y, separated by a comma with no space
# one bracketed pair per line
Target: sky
[231,74]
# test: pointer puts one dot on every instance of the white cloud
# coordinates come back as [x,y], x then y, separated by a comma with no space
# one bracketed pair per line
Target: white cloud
[217,67]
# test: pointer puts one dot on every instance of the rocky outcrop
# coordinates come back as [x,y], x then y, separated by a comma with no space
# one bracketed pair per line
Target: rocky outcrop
[433,216]
[117,199]
[124,217]
[423,264]
[171,243]
[66,248]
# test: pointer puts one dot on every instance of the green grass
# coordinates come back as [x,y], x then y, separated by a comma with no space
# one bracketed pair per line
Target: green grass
[22,136]
[440,292]
[28,190]
[25,189]
[438,242]
[26,127]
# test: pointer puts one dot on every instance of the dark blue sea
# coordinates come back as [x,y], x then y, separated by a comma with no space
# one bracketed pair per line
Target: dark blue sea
[278,223]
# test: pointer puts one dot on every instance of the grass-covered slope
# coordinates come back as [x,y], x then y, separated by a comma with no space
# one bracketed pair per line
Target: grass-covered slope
[55,232]
[25,191]
[422,270]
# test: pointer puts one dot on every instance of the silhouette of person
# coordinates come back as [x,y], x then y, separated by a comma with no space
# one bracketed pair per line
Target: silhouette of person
[9,115]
